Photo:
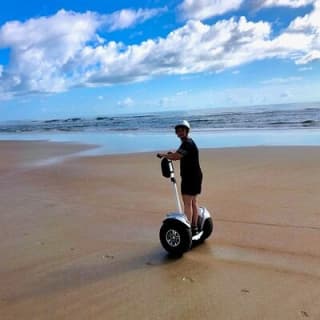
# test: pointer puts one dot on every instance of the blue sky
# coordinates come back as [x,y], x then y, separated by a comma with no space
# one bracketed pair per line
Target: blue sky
[62,59]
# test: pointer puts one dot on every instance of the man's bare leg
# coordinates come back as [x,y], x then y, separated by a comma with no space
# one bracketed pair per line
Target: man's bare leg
[187,203]
[195,211]
[191,211]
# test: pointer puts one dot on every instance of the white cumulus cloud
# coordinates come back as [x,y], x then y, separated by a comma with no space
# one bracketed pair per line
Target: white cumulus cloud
[301,39]
[40,50]
[46,53]
[193,48]
[281,80]
[127,17]
[204,9]
[285,3]
[126,102]
[303,69]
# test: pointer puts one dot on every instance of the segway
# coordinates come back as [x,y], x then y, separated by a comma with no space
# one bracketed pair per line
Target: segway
[175,232]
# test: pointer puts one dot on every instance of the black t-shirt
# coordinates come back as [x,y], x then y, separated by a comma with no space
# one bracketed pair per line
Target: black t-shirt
[189,163]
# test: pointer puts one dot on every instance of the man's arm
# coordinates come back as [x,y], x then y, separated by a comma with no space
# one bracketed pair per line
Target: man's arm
[171,155]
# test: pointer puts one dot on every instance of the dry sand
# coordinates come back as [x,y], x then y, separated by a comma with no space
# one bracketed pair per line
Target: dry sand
[79,239]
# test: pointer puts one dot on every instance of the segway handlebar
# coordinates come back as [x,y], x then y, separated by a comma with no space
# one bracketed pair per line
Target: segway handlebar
[167,168]
[168,172]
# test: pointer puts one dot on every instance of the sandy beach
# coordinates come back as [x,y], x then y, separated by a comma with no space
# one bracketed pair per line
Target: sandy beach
[79,238]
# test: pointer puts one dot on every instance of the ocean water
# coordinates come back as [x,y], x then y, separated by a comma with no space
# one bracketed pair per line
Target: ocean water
[269,117]
[268,126]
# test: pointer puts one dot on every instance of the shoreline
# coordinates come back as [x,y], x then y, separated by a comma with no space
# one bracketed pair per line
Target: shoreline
[137,142]
[79,238]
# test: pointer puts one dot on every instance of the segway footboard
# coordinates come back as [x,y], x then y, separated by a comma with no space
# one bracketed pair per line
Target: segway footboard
[205,225]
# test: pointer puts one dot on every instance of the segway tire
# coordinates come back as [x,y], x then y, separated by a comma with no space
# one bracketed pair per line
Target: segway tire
[175,237]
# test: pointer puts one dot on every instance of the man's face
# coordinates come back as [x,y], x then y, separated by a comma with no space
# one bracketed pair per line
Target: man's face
[181,132]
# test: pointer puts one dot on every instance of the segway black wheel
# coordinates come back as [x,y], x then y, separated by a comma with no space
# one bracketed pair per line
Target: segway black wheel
[207,229]
[175,237]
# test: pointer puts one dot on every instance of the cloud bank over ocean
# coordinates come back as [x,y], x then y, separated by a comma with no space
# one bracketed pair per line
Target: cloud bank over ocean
[68,49]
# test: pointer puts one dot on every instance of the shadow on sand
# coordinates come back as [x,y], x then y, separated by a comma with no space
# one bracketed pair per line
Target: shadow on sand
[80,274]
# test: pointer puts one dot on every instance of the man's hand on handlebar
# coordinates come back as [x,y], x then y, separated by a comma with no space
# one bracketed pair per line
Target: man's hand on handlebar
[163,155]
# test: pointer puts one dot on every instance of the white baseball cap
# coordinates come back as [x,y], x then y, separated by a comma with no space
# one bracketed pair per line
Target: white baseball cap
[183,123]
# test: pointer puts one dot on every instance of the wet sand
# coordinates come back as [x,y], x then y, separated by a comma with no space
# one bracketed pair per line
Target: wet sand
[79,238]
